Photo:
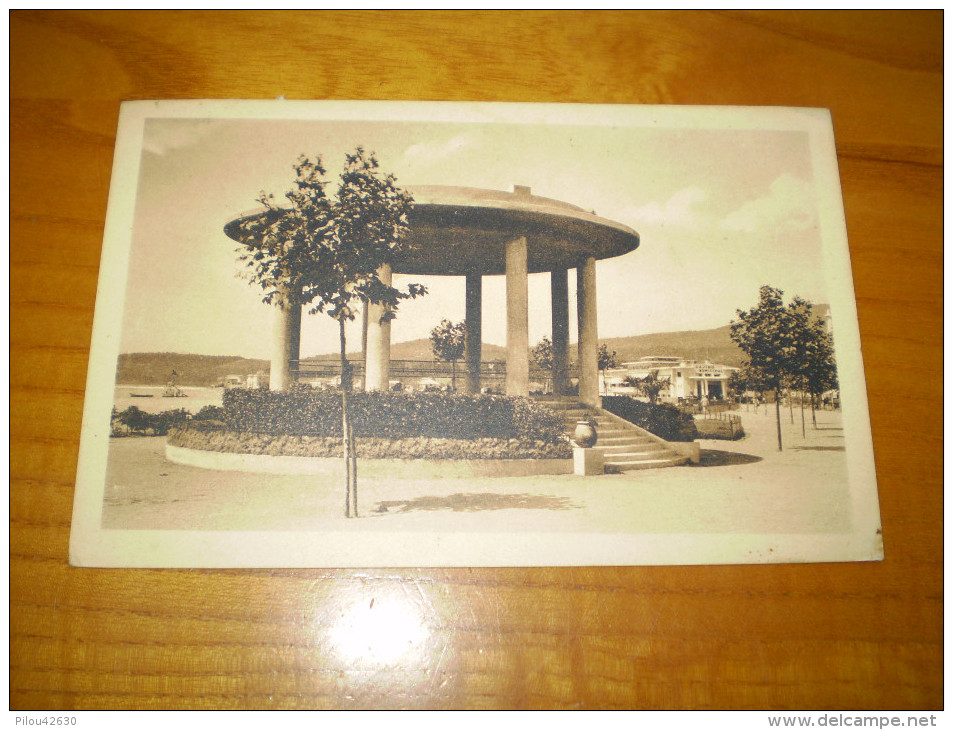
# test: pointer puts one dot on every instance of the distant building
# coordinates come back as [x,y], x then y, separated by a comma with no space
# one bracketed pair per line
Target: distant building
[255,380]
[686,378]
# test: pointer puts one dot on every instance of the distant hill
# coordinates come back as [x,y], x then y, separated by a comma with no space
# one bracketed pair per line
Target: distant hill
[413,350]
[155,368]
[714,345]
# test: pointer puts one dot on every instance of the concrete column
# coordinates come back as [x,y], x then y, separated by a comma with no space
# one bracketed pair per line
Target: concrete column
[286,339]
[517,318]
[377,354]
[473,336]
[588,332]
[559,285]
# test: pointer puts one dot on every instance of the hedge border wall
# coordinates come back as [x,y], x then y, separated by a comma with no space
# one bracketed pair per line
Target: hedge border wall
[662,419]
[308,412]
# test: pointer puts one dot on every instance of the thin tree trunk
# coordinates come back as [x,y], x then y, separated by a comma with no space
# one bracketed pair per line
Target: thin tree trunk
[353,476]
[813,412]
[803,434]
[777,413]
[345,423]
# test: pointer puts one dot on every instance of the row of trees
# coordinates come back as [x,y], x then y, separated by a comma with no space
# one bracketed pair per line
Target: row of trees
[325,251]
[651,385]
[788,348]
[447,344]
[543,357]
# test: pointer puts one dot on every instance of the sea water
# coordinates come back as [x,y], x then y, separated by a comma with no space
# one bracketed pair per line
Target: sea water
[193,400]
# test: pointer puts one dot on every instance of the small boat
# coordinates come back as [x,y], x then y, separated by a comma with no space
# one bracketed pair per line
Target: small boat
[140,395]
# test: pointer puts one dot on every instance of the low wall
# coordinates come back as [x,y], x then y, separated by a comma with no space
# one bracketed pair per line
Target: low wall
[370,468]
[691,449]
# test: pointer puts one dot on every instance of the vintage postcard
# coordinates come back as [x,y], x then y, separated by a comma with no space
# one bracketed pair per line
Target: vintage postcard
[334,334]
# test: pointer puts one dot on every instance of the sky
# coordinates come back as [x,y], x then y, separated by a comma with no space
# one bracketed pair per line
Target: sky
[719,211]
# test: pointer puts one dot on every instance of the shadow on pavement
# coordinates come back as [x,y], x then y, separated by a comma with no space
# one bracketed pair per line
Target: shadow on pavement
[477,503]
[712,457]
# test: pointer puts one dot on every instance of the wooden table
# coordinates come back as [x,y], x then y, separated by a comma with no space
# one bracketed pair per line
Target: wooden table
[860,636]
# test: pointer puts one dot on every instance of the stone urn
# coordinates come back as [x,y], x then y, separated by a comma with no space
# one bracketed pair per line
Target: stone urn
[585,434]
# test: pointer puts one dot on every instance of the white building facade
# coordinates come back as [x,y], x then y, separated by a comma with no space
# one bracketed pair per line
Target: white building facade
[687,379]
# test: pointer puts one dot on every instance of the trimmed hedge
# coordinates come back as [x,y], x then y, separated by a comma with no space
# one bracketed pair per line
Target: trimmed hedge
[208,438]
[135,422]
[662,419]
[727,430]
[307,412]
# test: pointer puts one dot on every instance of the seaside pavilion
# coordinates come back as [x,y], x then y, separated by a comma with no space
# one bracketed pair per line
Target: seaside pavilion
[471,232]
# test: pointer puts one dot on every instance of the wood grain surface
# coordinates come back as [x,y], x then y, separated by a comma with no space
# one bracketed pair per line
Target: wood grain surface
[848,636]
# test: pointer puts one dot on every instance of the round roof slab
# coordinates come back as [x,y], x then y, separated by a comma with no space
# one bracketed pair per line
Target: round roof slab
[457,231]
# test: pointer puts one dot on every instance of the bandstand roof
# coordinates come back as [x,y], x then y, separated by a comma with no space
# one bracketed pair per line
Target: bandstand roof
[459,230]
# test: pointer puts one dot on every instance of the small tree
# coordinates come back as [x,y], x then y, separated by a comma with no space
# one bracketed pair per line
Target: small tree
[651,385]
[747,379]
[447,341]
[801,320]
[542,354]
[328,252]
[606,360]
[815,362]
[766,334]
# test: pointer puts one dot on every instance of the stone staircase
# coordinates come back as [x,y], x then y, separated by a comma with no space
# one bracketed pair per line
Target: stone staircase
[625,446]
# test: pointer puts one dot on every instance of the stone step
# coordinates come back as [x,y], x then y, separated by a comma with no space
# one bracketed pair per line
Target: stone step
[624,446]
[645,464]
[649,447]
[614,436]
[600,427]
[634,457]
[614,428]
[634,445]
[624,438]
[628,462]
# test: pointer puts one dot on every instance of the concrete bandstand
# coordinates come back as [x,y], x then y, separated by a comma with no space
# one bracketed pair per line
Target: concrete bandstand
[471,232]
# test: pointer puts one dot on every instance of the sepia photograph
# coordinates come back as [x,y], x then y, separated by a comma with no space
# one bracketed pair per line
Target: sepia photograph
[367,334]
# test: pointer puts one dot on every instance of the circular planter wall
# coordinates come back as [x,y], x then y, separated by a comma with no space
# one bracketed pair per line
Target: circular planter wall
[370,468]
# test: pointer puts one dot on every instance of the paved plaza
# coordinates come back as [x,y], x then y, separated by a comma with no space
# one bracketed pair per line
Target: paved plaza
[739,487]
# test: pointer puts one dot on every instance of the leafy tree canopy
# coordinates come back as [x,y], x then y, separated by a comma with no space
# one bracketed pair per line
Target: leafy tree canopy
[543,354]
[329,248]
[651,385]
[447,340]
[765,334]
[787,346]
[607,359]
